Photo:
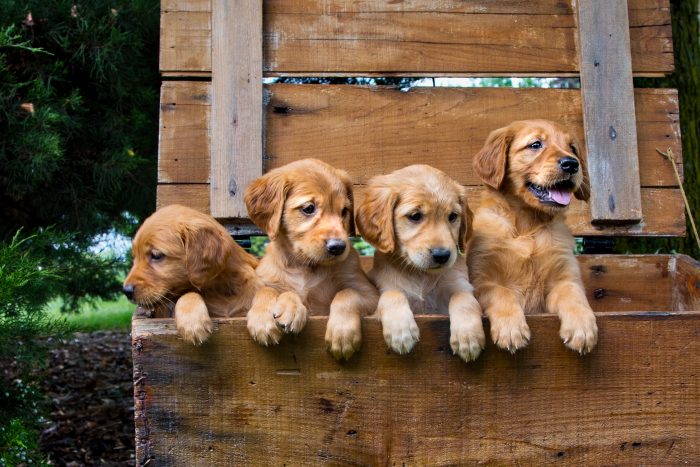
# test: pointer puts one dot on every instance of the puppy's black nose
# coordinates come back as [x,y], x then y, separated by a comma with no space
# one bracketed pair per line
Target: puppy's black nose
[440,255]
[128,290]
[335,246]
[568,165]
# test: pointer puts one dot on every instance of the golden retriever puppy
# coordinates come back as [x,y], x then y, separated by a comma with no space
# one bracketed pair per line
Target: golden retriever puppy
[521,255]
[419,221]
[186,262]
[306,209]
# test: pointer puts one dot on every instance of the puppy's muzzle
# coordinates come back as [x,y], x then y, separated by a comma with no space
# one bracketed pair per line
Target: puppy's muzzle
[335,246]
[129,291]
[440,255]
[568,165]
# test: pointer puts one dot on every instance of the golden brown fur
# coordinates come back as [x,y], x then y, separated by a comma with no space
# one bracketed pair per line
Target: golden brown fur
[521,255]
[186,260]
[419,221]
[300,273]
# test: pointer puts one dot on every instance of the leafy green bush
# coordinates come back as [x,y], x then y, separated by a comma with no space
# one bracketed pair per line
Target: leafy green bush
[18,445]
[26,284]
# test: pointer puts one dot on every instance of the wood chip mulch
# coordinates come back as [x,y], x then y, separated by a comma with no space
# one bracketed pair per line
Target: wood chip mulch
[89,383]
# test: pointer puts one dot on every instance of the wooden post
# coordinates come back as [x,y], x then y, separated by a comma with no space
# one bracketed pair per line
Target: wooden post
[237,104]
[608,111]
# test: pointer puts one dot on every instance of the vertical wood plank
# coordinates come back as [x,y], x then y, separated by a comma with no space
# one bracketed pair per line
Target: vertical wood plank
[236,123]
[608,111]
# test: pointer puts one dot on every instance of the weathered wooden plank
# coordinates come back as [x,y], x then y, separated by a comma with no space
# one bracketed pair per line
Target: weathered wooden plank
[231,401]
[185,40]
[629,282]
[608,111]
[686,283]
[236,115]
[662,208]
[369,130]
[416,38]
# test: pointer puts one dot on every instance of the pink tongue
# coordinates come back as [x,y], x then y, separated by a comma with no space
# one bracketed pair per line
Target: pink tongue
[561,197]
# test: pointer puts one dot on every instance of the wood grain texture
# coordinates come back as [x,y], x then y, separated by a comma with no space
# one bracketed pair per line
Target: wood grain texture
[686,284]
[662,208]
[236,124]
[608,111]
[632,401]
[368,130]
[450,37]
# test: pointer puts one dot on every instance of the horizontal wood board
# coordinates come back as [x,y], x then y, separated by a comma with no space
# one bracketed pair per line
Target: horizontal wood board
[662,208]
[633,400]
[686,283]
[420,37]
[372,130]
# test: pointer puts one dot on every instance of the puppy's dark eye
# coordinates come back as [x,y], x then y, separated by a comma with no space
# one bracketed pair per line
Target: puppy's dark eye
[345,212]
[157,255]
[415,216]
[452,217]
[535,145]
[308,209]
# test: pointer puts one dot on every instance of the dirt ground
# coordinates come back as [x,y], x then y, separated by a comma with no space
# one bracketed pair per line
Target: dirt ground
[89,382]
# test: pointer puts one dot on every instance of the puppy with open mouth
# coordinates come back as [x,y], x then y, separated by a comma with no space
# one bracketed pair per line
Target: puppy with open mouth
[306,208]
[419,221]
[521,254]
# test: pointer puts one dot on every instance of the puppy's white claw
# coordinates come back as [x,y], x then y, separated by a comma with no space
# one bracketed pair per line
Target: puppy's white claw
[510,333]
[263,328]
[467,340]
[290,313]
[579,330]
[402,338]
[343,335]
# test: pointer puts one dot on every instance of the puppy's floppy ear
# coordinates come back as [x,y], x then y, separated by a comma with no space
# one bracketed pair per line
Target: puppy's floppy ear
[375,216]
[490,161]
[584,191]
[206,252]
[264,199]
[465,230]
[347,181]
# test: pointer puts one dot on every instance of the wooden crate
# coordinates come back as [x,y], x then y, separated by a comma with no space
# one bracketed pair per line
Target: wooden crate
[634,400]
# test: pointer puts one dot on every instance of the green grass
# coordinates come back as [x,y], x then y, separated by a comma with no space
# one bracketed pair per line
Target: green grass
[104,316]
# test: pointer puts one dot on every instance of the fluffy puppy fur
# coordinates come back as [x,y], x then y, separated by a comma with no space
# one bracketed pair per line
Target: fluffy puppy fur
[419,221]
[306,208]
[186,260]
[521,255]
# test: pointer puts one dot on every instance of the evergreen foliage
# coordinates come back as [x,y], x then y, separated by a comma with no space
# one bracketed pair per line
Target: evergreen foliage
[686,78]
[25,286]
[78,128]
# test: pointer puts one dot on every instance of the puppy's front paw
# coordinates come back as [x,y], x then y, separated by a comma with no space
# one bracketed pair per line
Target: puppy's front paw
[467,338]
[192,318]
[262,326]
[400,330]
[579,330]
[289,313]
[510,331]
[343,333]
